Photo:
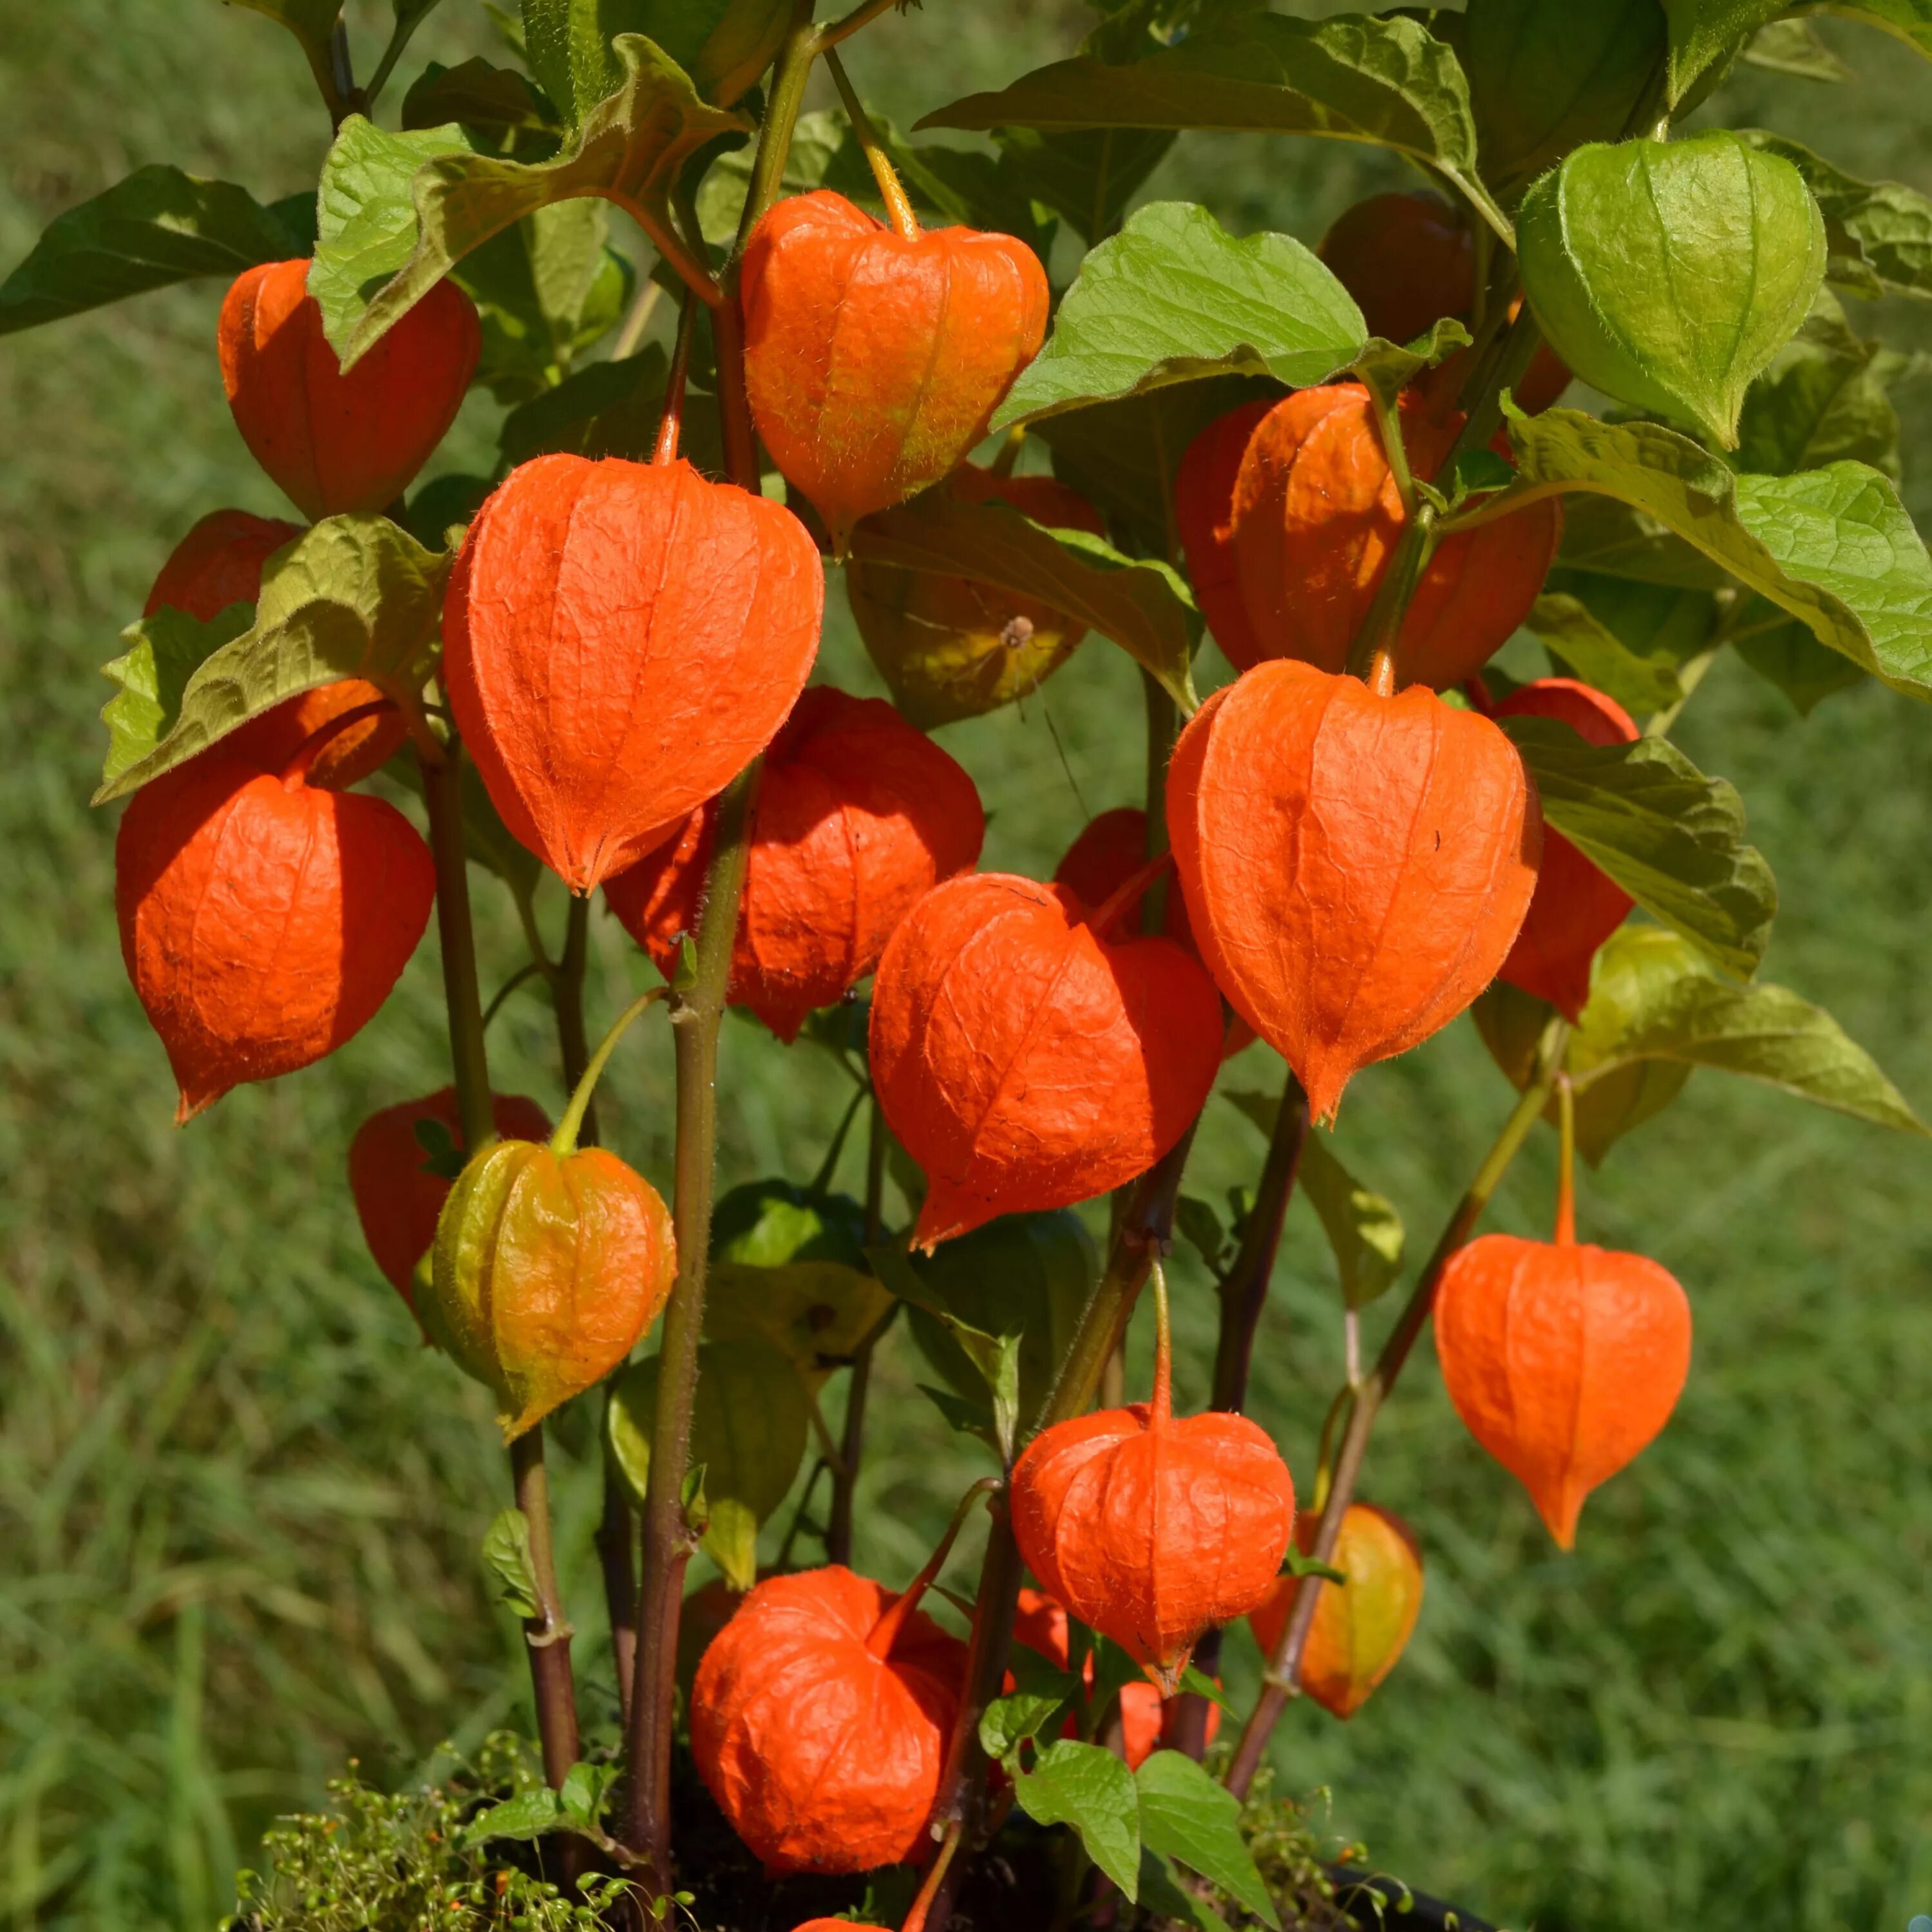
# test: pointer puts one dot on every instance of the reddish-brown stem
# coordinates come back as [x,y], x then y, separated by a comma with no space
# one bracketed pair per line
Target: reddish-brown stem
[1160,1409]
[665,449]
[547,1633]
[885,1632]
[1282,1681]
[1115,907]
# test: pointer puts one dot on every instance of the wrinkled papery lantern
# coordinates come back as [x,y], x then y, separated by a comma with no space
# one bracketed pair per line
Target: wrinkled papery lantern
[1563,1359]
[621,640]
[1360,1627]
[1577,906]
[551,1261]
[1204,515]
[819,1720]
[1150,1529]
[1110,850]
[337,442]
[1026,1059]
[1408,260]
[859,817]
[219,562]
[873,359]
[1041,1625]
[398,1192]
[263,921]
[952,647]
[1356,866]
[1316,521]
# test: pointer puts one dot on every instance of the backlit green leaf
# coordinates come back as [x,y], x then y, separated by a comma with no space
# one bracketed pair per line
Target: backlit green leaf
[1672,839]
[1173,298]
[1669,273]
[1908,20]
[1186,1814]
[1787,656]
[1590,650]
[1363,1229]
[355,596]
[506,1555]
[1793,47]
[1878,234]
[1089,1788]
[1008,1722]
[158,227]
[163,652]
[1142,605]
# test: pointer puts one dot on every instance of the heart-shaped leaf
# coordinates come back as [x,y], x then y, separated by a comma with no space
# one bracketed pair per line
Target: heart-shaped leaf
[1669,273]
[1878,234]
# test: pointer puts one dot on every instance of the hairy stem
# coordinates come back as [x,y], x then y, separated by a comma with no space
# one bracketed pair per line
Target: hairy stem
[696,1015]
[1284,1669]
[567,994]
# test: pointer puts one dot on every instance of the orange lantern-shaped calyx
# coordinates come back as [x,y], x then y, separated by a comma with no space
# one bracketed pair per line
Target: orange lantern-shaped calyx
[1315,519]
[1361,1627]
[337,442]
[874,358]
[1027,1060]
[398,1193]
[819,1720]
[622,640]
[1564,1359]
[1150,1529]
[1577,906]
[263,920]
[1203,513]
[859,816]
[1356,866]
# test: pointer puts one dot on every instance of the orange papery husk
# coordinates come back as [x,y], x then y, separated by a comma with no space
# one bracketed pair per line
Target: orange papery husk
[1027,1061]
[819,1722]
[1357,867]
[1204,514]
[1152,1528]
[398,1195]
[337,442]
[873,360]
[1316,519]
[1360,1627]
[622,639]
[1577,906]
[859,817]
[263,920]
[1565,1360]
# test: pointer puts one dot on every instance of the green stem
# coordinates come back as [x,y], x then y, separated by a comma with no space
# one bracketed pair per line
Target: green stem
[1284,1669]
[1163,727]
[696,1016]
[564,1140]
[892,189]
[830,35]
[443,793]
[852,1444]
[566,985]
[802,46]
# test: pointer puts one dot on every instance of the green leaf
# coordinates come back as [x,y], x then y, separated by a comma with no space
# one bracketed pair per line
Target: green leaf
[1186,1814]
[1028,1275]
[1669,273]
[1606,538]
[1194,1683]
[355,596]
[1823,400]
[1878,234]
[1294,1564]
[1591,650]
[506,1555]
[1834,547]
[1166,1898]
[1652,998]
[1908,20]
[609,409]
[1363,1227]
[1354,78]
[1142,605]
[365,219]
[1544,79]
[312,23]
[545,290]
[530,1814]
[1201,1227]
[1386,368]
[1173,298]
[1122,456]
[995,1357]
[1793,47]
[1672,839]
[1089,1788]
[586,1790]
[158,227]
[630,149]
[163,652]
[724,45]
[967,1418]
[1086,176]
[1788,657]
[749,1427]
[495,102]
[1008,1722]
[1704,34]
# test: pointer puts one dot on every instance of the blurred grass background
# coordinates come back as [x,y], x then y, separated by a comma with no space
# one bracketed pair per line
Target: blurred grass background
[239,1509]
